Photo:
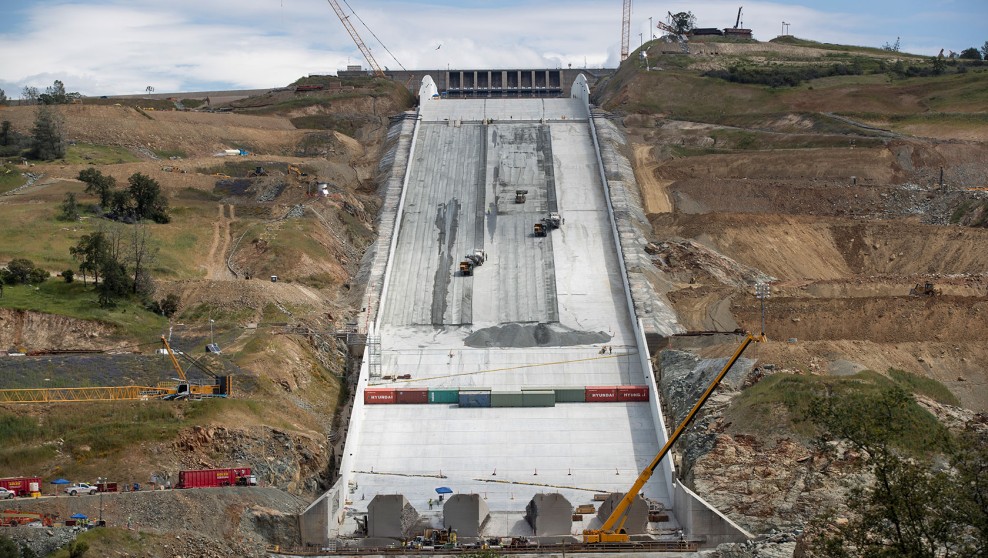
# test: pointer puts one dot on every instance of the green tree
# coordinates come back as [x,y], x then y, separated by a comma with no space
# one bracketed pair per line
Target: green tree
[20,271]
[970,54]
[5,138]
[3,97]
[47,141]
[90,252]
[149,201]
[56,92]
[115,283]
[939,65]
[99,184]
[120,205]
[70,208]
[910,510]
[684,22]
[68,275]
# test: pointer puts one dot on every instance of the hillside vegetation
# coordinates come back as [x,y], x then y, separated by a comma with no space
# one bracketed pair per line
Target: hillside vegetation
[820,167]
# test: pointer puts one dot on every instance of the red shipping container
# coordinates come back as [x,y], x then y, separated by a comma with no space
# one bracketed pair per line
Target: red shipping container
[21,486]
[211,478]
[412,395]
[632,393]
[379,396]
[601,393]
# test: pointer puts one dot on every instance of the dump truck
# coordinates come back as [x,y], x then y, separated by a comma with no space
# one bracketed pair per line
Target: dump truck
[549,222]
[472,260]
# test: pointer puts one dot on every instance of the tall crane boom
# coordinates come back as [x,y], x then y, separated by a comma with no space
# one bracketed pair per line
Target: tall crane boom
[625,30]
[612,530]
[345,19]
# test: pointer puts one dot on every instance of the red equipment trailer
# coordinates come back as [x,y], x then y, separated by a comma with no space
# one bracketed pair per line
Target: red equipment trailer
[210,478]
[22,486]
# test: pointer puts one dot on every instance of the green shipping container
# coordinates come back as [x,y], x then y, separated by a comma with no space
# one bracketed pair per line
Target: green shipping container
[571,395]
[538,398]
[563,394]
[444,395]
[506,399]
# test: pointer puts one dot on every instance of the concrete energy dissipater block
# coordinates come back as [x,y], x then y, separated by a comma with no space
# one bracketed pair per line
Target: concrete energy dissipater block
[390,516]
[637,514]
[550,514]
[466,513]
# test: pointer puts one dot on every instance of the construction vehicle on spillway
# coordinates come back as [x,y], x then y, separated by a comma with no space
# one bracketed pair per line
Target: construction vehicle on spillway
[612,530]
[548,223]
[474,259]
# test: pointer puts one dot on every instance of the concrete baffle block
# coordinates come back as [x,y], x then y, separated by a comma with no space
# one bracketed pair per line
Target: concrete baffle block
[637,519]
[390,516]
[467,513]
[549,514]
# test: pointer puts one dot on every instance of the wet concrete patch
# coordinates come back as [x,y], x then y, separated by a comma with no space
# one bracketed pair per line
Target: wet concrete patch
[533,335]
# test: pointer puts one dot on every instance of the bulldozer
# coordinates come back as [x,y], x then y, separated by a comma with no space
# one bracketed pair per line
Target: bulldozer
[520,196]
[925,289]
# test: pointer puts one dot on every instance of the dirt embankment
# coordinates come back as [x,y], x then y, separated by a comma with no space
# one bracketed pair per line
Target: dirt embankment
[23,331]
[206,522]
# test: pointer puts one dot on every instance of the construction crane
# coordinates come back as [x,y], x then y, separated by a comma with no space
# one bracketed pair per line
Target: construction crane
[180,388]
[186,389]
[625,30]
[612,530]
[345,19]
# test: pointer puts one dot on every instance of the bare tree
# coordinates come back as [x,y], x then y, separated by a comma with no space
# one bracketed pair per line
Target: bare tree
[3,97]
[143,253]
[29,94]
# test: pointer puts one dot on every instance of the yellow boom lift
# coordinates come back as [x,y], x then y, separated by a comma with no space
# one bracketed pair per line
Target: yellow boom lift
[612,530]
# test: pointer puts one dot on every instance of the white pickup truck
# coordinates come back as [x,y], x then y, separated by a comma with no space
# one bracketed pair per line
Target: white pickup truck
[80,488]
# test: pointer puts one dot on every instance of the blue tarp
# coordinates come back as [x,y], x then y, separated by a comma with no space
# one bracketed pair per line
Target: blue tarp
[444,490]
[61,481]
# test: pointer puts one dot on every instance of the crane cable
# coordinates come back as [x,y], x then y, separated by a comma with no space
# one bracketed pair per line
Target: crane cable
[506,368]
[372,34]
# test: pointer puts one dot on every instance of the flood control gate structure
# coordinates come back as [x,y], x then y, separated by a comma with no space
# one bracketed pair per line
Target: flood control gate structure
[549,315]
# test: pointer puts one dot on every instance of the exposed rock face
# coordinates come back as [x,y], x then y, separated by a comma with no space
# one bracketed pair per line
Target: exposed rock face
[292,462]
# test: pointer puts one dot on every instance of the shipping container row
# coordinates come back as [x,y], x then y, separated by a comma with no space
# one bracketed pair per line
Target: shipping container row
[486,397]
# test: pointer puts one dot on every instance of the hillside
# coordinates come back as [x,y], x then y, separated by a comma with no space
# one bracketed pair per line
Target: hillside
[306,219]
[831,190]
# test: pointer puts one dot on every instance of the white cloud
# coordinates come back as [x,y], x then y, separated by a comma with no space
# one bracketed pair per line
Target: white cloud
[117,46]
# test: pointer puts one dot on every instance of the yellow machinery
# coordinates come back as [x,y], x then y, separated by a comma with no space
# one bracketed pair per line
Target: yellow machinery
[183,388]
[186,389]
[612,530]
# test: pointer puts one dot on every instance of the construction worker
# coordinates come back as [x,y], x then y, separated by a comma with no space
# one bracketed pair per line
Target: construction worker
[430,503]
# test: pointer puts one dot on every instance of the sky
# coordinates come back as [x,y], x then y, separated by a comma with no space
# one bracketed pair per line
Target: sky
[117,47]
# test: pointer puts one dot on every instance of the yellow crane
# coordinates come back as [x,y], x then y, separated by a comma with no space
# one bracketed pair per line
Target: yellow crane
[185,388]
[612,530]
[182,388]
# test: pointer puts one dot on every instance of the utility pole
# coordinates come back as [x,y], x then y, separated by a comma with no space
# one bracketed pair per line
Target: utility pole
[763,291]
[651,29]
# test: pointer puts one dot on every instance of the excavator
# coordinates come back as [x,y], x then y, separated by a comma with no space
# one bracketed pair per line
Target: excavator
[612,530]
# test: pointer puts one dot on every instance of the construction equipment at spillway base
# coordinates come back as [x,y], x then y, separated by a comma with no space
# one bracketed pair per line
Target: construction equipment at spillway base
[612,530]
